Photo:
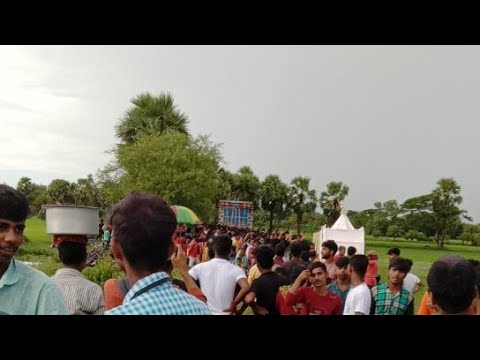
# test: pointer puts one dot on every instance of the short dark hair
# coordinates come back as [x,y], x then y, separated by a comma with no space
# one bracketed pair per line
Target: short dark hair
[296,271]
[352,250]
[342,262]
[452,282]
[222,245]
[410,264]
[295,249]
[143,225]
[13,204]
[264,256]
[359,264]
[400,264]
[330,245]
[72,253]
[318,264]
[394,251]
[279,250]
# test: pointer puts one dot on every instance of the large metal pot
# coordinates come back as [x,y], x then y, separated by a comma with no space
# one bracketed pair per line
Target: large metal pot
[72,219]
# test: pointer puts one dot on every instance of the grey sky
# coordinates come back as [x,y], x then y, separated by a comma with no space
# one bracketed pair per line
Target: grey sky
[388,121]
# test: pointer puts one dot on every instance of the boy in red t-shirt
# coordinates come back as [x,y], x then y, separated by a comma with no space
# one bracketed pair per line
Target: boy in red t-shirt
[317,299]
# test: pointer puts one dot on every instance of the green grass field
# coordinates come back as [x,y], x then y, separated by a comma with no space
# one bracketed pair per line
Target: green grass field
[36,231]
[421,253]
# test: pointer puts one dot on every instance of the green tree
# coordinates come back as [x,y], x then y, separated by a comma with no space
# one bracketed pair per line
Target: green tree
[151,115]
[108,180]
[87,192]
[35,194]
[330,200]
[445,199]
[302,199]
[246,185]
[394,231]
[27,187]
[61,192]
[180,169]
[274,197]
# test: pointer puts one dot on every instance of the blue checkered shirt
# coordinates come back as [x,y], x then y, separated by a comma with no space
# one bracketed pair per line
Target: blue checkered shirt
[160,300]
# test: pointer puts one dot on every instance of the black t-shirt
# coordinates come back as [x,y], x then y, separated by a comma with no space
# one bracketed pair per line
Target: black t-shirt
[266,288]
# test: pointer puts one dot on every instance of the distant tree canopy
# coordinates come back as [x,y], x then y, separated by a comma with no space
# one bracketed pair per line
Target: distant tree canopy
[180,169]
[151,115]
[330,200]
[156,153]
[302,199]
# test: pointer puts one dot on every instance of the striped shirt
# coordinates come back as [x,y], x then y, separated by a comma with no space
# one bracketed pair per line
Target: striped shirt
[82,296]
[388,303]
[163,299]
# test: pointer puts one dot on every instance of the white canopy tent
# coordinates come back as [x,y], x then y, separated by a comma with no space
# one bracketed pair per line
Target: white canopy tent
[343,233]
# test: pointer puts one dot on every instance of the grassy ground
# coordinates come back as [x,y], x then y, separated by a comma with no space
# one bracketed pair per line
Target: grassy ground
[37,249]
[36,231]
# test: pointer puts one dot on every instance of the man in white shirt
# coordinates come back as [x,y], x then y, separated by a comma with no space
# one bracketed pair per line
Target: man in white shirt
[359,298]
[218,278]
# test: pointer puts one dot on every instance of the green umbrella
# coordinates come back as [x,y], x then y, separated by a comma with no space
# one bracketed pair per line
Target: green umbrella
[185,215]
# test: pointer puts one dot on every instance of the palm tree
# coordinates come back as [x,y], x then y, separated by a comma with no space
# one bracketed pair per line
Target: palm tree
[151,115]
[303,200]
[330,200]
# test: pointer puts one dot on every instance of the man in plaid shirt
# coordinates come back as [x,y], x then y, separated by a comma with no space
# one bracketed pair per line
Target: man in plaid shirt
[391,298]
[142,229]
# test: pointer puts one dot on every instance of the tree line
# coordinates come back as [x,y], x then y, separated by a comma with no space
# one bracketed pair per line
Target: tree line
[156,153]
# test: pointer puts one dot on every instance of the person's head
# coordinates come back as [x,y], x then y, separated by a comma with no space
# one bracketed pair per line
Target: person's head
[318,274]
[358,264]
[13,213]
[222,246]
[329,249]
[295,249]
[341,251]
[451,283]
[372,255]
[352,250]
[72,254]
[143,225]
[264,256]
[342,268]
[397,270]
[280,250]
[305,256]
[393,253]
[410,264]
[296,271]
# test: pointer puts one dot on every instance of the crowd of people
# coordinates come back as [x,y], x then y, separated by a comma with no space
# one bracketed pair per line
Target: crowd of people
[222,270]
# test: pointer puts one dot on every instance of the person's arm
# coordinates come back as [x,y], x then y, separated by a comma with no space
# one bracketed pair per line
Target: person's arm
[293,295]
[372,307]
[179,261]
[244,289]
[249,300]
[409,309]
[419,287]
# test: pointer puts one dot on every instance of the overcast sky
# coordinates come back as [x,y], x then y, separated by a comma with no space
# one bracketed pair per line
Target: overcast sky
[388,121]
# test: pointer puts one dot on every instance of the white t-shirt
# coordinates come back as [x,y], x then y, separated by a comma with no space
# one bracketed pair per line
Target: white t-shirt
[410,282]
[218,279]
[359,299]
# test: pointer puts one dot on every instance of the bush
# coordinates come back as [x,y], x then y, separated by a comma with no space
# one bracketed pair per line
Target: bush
[104,269]
[376,233]
[49,267]
[416,235]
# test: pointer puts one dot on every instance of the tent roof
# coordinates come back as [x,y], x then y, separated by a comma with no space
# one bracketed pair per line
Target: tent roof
[343,223]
